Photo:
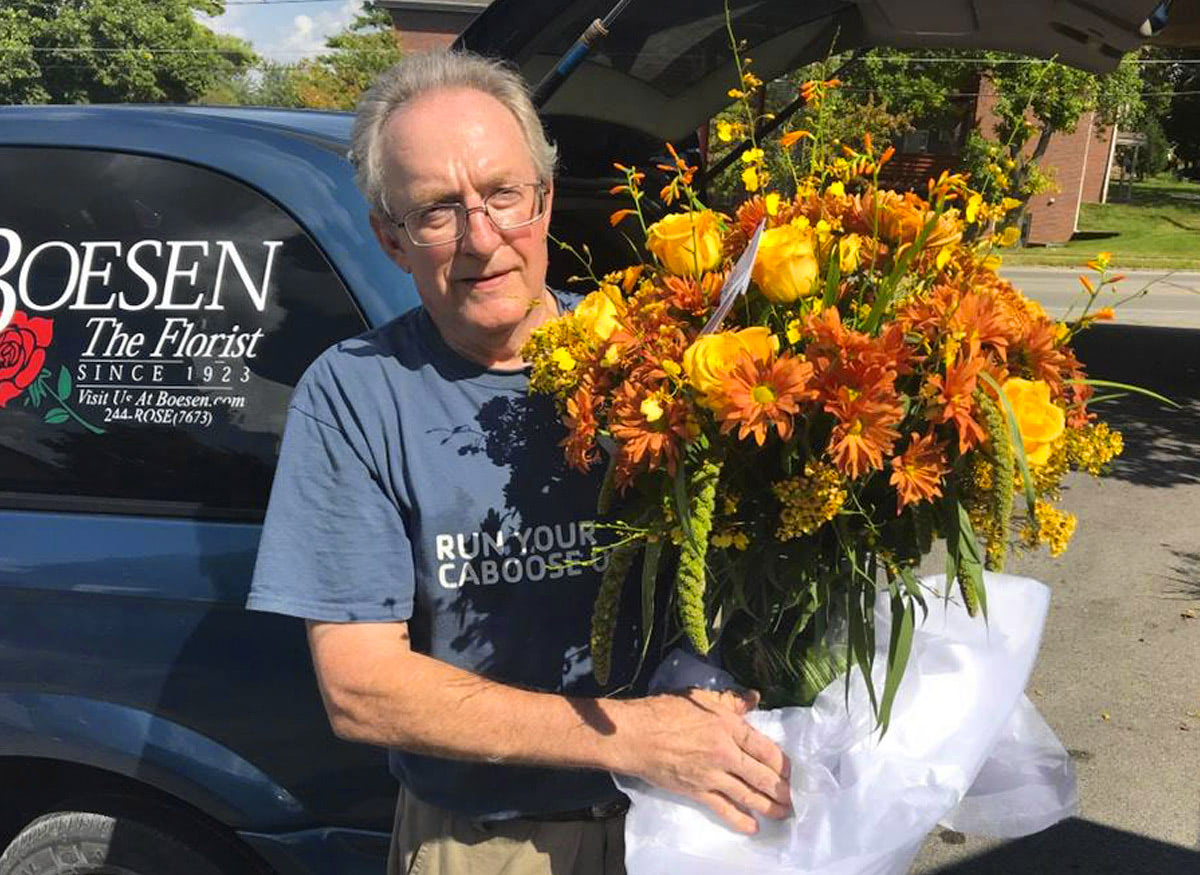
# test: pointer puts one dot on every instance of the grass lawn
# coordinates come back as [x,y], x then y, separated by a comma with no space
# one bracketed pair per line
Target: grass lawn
[1160,228]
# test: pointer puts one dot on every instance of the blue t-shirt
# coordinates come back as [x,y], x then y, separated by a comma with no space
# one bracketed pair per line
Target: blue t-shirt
[415,485]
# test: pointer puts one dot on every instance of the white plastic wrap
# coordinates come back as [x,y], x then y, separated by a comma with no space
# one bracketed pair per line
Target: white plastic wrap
[965,747]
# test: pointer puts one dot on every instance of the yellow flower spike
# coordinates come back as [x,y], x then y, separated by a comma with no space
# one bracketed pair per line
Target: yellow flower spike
[651,409]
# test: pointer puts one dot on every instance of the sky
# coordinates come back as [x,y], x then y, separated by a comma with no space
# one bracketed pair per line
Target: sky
[285,31]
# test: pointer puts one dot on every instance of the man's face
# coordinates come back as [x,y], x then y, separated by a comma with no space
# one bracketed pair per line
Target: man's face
[458,146]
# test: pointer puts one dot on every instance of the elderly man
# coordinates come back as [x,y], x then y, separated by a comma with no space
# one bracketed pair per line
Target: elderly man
[423,523]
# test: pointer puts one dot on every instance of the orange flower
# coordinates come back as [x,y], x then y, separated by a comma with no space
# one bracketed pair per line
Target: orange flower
[580,420]
[917,472]
[757,395]
[649,435]
[865,430]
[952,401]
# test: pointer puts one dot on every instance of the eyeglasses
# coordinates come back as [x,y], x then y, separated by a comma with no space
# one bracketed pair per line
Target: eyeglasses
[509,207]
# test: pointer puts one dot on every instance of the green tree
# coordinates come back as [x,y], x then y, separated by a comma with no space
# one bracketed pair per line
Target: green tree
[113,51]
[357,55]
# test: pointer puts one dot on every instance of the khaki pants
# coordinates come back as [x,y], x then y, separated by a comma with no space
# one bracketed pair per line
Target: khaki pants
[430,841]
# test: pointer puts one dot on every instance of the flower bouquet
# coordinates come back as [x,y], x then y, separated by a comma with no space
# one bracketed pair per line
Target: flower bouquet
[796,400]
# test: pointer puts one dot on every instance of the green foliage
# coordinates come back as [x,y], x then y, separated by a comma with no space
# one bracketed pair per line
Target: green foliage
[360,53]
[113,51]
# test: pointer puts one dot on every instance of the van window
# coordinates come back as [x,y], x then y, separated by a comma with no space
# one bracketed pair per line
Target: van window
[159,316]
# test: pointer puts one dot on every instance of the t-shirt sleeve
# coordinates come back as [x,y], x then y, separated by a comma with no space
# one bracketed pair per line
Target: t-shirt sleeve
[334,545]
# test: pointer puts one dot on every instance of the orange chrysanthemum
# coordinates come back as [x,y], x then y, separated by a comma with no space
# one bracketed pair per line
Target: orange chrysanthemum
[758,395]
[580,419]
[865,430]
[952,400]
[649,435]
[917,472]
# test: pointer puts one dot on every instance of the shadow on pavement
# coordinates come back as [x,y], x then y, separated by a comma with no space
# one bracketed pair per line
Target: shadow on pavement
[1162,444]
[1080,846]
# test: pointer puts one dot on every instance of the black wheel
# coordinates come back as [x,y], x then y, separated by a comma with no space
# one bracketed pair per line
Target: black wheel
[85,843]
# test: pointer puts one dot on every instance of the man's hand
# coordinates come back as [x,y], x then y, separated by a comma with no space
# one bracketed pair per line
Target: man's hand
[698,744]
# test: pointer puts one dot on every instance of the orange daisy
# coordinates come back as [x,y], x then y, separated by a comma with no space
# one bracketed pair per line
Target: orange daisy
[865,429]
[580,420]
[917,472]
[952,401]
[650,429]
[759,395]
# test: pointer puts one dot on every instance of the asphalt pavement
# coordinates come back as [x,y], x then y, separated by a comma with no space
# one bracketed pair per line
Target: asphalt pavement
[1172,298]
[1118,677]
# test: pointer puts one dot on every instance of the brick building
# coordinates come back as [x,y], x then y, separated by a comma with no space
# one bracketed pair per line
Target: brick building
[431,24]
[1079,163]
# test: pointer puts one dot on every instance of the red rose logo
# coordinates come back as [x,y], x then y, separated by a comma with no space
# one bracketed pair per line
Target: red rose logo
[22,353]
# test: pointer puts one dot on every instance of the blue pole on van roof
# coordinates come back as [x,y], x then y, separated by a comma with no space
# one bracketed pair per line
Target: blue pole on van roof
[574,56]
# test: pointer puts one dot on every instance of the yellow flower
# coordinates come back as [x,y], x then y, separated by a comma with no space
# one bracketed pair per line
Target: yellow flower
[837,189]
[1009,236]
[973,205]
[785,267]
[711,357]
[651,409]
[563,359]
[771,203]
[848,252]
[750,179]
[725,131]
[596,314]
[687,244]
[1038,419]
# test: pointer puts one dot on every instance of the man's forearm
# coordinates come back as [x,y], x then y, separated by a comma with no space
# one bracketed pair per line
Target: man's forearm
[412,701]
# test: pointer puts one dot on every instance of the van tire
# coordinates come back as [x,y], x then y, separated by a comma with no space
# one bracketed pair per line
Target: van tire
[86,843]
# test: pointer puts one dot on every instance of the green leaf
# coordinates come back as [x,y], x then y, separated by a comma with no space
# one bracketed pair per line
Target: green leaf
[1109,384]
[860,655]
[832,278]
[970,556]
[682,503]
[64,383]
[649,579]
[899,648]
[35,393]
[57,415]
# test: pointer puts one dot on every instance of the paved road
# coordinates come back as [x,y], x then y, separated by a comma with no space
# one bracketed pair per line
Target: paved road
[1173,299]
[1118,677]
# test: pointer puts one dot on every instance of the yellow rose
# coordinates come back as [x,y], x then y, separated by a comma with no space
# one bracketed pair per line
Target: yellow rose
[785,267]
[711,357]
[596,314]
[1038,419]
[687,244]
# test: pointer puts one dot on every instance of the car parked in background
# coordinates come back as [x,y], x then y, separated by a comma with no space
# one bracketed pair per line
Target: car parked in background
[166,275]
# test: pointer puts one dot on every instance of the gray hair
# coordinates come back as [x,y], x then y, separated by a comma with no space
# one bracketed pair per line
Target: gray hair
[421,72]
